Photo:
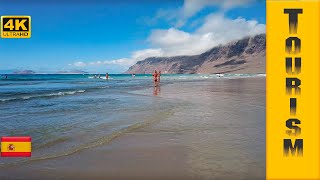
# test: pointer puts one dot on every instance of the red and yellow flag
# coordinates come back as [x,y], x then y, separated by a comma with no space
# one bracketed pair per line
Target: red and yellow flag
[15,146]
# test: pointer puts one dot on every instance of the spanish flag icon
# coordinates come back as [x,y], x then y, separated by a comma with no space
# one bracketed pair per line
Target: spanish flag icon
[16,146]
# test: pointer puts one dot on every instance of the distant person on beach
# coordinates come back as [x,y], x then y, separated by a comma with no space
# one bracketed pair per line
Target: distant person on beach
[107,76]
[159,75]
[155,77]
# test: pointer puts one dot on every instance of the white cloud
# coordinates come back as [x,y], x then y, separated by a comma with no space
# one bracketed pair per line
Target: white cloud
[122,61]
[142,54]
[216,30]
[169,37]
[125,62]
[192,7]
[79,64]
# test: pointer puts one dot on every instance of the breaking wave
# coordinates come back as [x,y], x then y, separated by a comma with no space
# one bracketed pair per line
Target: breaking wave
[43,95]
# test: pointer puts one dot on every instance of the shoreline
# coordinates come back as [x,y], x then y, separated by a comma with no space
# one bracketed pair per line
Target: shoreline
[167,149]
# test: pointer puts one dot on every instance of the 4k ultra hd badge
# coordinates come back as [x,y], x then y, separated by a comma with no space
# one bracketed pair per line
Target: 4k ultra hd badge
[15,26]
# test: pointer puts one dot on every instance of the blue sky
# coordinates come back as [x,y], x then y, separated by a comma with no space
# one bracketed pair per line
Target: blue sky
[100,36]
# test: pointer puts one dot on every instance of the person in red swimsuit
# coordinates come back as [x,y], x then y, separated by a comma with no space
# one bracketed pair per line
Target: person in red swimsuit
[155,77]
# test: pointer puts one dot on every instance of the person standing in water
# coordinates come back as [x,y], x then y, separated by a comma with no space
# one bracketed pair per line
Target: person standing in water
[159,75]
[155,77]
[107,76]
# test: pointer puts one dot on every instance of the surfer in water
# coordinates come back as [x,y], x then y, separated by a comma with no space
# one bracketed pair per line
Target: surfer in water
[107,76]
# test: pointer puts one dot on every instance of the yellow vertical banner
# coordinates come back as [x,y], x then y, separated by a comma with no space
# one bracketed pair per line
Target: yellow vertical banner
[293,78]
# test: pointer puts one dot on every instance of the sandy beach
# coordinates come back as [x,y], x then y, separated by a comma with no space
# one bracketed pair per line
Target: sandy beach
[214,130]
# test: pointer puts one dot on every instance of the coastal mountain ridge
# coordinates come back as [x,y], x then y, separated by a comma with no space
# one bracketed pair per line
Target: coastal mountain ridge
[242,56]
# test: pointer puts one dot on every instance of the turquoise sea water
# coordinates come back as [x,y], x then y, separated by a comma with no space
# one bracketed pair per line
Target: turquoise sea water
[65,114]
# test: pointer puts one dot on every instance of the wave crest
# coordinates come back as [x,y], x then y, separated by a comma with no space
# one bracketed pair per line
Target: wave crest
[63,93]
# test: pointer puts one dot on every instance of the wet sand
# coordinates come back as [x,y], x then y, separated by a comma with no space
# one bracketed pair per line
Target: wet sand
[215,131]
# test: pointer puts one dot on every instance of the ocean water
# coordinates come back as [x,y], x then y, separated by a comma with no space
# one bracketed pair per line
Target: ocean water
[65,114]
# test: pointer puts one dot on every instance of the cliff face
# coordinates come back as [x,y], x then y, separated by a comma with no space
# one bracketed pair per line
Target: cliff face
[243,56]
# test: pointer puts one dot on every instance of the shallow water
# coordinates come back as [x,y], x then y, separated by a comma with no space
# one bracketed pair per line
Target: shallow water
[221,124]
[65,114]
